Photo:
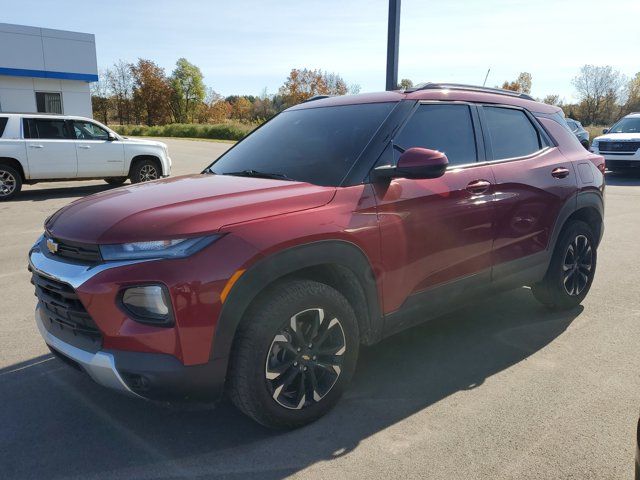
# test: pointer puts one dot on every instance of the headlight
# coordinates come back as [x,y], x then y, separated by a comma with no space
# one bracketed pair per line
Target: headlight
[176,248]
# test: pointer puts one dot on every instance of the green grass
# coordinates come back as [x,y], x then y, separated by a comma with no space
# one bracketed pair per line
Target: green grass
[594,131]
[224,131]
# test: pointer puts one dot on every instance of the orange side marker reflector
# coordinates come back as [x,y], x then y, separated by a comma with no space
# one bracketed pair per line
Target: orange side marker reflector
[227,288]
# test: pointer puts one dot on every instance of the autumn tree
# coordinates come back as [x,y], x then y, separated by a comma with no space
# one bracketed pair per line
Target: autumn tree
[599,89]
[188,90]
[241,109]
[120,82]
[152,91]
[302,84]
[553,99]
[632,103]
[521,84]
[405,84]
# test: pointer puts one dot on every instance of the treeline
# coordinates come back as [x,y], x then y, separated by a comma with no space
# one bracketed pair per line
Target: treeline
[142,93]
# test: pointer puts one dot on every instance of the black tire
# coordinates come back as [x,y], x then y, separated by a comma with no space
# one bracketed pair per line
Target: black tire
[570,275]
[10,182]
[255,390]
[116,180]
[145,171]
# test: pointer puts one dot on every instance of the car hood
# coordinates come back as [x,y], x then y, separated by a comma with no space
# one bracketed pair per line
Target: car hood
[618,137]
[139,141]
[180,206]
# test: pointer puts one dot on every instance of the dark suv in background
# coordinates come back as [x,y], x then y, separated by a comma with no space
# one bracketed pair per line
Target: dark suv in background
[337,223]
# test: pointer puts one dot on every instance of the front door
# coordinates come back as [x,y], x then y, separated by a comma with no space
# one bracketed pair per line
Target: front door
[435,231]
[51,152]
[97,155]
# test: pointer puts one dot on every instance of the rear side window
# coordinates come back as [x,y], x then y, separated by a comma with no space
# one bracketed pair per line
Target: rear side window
[3,123]
[447,128]
[511,132]
[45,128]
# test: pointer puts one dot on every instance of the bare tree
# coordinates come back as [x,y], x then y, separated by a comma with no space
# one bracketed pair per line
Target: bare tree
[100,97]
[553,99]
[599,89]
[120,81]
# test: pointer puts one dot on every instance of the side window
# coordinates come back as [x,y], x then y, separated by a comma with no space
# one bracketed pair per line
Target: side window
[447,128]
[89,131]
[48,129]
[511,133]
[3,123]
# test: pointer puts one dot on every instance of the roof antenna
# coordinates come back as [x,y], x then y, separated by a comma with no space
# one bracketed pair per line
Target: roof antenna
[485,77]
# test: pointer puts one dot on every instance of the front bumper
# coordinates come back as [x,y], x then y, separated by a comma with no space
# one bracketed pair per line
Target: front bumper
[619,160]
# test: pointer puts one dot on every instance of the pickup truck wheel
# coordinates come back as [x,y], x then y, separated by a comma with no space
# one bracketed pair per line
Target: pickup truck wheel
[145,171]
[572,268]
[10,182]
[116,181]
[294,354]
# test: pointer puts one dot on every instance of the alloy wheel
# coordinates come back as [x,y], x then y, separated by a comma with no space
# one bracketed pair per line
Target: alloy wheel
[577,266]
[148,172]
[7,183]
[305,359]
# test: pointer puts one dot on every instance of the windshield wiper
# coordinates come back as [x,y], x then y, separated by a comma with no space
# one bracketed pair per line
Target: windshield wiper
[257,174]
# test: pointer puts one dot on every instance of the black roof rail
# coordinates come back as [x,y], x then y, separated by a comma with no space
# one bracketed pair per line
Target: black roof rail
[317,97]
[471,88]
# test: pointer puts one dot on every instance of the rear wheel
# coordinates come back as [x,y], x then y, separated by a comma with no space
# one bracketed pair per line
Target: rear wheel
[10,182]
[145,171]
[572,268]
[116,180]
[294,354]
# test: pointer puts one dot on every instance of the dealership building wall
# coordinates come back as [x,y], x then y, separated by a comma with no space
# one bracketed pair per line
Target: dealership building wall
[45,70]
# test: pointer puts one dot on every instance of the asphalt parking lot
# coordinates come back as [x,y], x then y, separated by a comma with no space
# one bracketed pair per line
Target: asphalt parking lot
[503,390]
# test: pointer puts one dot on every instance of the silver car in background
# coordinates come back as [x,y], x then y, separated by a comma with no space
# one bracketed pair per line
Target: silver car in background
[579,131]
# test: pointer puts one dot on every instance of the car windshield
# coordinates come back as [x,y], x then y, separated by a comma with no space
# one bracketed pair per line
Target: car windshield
[317,145]
[626,125]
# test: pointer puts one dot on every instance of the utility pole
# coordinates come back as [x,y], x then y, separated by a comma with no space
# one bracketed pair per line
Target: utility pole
[393,40]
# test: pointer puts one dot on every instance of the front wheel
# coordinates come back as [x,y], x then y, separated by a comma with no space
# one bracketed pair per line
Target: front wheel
[572,268]
[294,354]
[145,171]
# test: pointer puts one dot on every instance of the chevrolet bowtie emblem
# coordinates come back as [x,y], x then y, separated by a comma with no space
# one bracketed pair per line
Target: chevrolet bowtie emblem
[306,357]
[51,245]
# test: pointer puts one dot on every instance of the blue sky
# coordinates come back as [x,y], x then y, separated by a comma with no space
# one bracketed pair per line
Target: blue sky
[245,46]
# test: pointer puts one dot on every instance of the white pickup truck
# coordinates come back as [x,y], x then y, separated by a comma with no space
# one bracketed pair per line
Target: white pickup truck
[39,147]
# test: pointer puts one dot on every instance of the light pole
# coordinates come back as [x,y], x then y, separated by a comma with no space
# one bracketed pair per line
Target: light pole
[393,39]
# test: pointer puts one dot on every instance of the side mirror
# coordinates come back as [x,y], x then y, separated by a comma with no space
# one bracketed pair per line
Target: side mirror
[111,137]
[605,130]
[416,163]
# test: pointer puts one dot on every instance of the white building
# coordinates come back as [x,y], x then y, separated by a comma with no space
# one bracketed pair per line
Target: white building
[44,70]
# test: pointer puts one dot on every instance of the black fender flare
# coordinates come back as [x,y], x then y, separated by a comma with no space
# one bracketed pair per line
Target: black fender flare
[273,267]
[589,199]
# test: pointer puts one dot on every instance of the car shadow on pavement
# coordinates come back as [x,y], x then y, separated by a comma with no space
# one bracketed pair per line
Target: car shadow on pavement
[56,423]
[623,179]
[42,194]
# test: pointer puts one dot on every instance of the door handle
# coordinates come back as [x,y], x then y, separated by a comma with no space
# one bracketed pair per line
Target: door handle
[36,146]
[560,172]
[85,147]
[478,186]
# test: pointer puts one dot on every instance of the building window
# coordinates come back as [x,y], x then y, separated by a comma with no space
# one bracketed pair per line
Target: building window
[48,102]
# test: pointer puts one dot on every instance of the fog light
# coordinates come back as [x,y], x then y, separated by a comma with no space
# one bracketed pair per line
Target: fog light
[147,304]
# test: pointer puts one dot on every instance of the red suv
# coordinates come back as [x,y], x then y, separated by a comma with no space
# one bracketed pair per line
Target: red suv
[337,223]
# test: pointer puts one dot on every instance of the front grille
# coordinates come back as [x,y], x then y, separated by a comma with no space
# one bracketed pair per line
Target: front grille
[63,313]
[618,146]
[81,252]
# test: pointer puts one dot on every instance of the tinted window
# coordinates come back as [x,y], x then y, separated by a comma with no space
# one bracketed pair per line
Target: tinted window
[315,145]
[3,123]
[447,128]
[48,129]
[511,132]
[89,131]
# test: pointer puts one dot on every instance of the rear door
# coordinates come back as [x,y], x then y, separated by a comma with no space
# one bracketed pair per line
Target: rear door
[97,155]
[51,150]
[533,182]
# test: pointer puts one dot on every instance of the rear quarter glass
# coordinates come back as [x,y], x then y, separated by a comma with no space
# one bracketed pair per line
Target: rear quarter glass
[3,124]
